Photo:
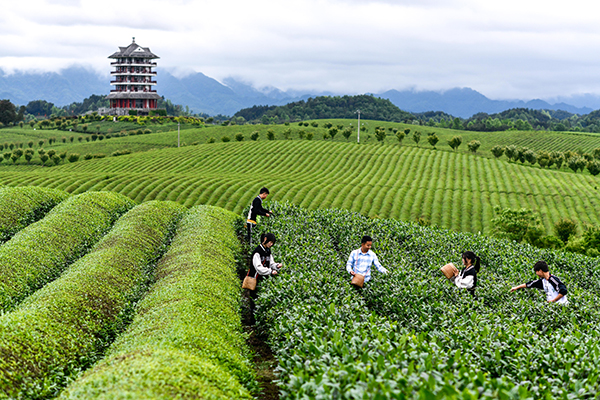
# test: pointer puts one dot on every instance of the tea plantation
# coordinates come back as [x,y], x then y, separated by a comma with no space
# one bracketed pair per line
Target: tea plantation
[450,189]
[410,334]
[138,291]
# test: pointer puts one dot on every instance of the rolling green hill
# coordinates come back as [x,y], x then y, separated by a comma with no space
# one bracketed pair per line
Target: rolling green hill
[453,190]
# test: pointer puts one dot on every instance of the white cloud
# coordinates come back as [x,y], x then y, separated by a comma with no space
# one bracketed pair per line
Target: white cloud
[505,49]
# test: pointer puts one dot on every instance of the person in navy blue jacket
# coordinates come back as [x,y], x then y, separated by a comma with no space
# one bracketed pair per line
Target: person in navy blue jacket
[556,291]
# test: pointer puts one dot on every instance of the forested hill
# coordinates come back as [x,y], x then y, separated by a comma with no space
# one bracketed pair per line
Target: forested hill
[322,107]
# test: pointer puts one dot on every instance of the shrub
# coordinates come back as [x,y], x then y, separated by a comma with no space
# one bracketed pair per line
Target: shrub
[225,139]
[270,134]
[211,140]
[81,312]
[565,228]
[88,156]
[120,152]
[433,139]
[73,157]
[254,135]
[22,206]
[201,352]
[514,224]
[497,151]
[309,136]
[41,251]
[455,142]
[239,137]
[473,146]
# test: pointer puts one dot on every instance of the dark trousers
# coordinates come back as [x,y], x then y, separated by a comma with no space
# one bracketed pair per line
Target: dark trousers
[249,227]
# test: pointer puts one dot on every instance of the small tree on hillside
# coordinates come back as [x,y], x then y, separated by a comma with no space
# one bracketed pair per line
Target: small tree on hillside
[271,134]
[346,133]
[455,142]
[73,157]
[43,159]
[416,137]
[433,139]
[380,134]
[239,137]
[400,135]
[497,151]
[333,131]
[473,146]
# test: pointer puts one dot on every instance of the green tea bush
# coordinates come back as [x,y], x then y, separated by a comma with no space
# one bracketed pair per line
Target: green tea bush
[22,206]
[65,326]
[187,329]
[40,252]
[411,334]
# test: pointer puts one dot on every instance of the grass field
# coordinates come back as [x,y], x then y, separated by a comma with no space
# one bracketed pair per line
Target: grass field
[452,190]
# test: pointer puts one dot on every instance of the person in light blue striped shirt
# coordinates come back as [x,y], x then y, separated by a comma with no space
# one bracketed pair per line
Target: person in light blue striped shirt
[361,260]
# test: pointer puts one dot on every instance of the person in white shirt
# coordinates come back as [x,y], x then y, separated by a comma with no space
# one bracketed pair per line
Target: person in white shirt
[361,260]
[556,291]
[467,278]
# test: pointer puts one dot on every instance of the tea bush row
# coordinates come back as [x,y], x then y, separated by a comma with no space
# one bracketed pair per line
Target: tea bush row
[22,206]
[186,340]
[40,252]
[65,326]
[410,334]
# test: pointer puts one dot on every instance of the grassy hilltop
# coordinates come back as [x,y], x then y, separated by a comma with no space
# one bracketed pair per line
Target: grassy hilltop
[452,189]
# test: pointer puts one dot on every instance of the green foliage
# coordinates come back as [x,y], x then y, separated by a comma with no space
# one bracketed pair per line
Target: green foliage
[564,228]
[416,137]
[473,146]
[322,107]
[239,137]
[187,329]
[432,139]
[411,334]
[270,134]
[22,206]
[225,139]
[380,134]
[515,224]
[81,312]
[309,136]
[455,142]
[400,135]
[255,135]
[42,250]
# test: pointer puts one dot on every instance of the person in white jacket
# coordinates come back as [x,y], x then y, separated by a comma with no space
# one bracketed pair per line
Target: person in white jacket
[467,278]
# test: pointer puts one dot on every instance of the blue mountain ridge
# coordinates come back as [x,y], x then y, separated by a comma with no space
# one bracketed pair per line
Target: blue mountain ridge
[207,95]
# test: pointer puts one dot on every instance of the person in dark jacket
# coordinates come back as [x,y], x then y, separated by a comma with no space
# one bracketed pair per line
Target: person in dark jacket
[262,262]
[467,278]
[256,208]
[556,291]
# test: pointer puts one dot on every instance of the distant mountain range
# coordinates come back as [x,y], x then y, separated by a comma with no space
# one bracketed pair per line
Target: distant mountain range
[207,95]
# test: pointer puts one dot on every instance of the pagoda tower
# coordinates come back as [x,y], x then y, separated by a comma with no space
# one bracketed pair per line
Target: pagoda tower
[133,80]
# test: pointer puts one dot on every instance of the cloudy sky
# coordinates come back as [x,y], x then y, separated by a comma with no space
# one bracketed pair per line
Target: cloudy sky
[505,49]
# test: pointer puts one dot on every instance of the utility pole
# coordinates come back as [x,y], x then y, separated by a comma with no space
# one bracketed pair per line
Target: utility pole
[177,133]
[358,133]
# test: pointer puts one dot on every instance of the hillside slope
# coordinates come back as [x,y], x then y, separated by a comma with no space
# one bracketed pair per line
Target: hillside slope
[452,190]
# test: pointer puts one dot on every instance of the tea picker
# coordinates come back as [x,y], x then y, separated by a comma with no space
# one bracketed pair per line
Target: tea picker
[360,262]
[556,291]
[262,264]
[467,278]
[256,209]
